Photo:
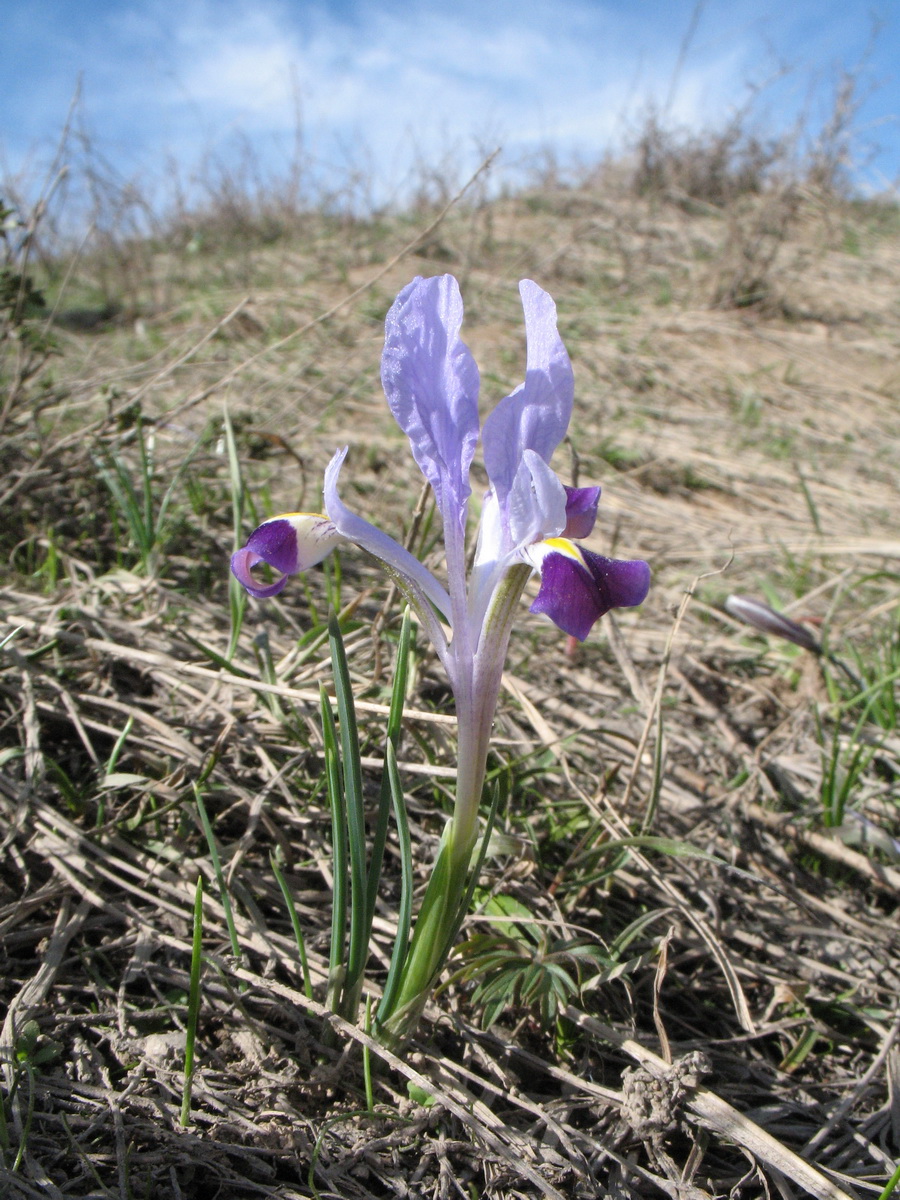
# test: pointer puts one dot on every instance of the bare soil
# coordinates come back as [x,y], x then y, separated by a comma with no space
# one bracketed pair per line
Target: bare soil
[743,1040]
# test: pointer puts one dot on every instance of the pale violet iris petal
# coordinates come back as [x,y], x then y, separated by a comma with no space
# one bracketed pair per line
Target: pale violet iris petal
[491,538]
[536,415]
[536,505]
[378,543]
[579,586]
[431,383]
[490,557]
[535,509]
[287,543]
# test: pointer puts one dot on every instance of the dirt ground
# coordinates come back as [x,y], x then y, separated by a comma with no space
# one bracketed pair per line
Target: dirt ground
[711,809]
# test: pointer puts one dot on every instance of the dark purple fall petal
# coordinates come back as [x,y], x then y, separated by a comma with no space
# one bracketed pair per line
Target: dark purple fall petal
[275,543]
[581,512]
[574,596]
[624,582]
[242,563]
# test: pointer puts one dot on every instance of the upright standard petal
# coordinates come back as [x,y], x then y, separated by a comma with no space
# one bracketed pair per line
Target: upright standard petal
[287,543]
[536,415]
[431,383]
[579,586]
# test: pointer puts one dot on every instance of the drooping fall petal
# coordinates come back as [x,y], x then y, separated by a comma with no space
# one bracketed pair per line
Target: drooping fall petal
[287,543]
[579,586]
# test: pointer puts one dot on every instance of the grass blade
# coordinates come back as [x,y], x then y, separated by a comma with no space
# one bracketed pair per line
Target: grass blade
[193,1004]
[395,719]
[118,747]
[220,877]
[367,1060]
[335,789]
[295,925]
[404,915]
[358,948]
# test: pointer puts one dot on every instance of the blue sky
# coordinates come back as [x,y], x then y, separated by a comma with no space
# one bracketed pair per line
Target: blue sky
[378,85]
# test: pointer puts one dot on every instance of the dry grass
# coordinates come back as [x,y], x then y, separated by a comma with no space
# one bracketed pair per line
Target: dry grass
[745,1043]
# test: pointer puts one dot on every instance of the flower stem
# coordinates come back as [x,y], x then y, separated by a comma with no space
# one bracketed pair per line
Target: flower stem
[477,687]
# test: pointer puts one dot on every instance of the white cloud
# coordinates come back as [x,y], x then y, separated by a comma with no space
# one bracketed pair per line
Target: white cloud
[419,75]
[389,78]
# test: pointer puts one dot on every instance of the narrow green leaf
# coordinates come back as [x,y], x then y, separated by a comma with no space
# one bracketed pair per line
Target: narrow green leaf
[506,907]
[367,1060]
[357,951]
[664,845]
[404,915]
[395,721]
[335,790]
[891,1186]
[295,925]
[193,1004]
[223,662]
[118,747]
[220,877]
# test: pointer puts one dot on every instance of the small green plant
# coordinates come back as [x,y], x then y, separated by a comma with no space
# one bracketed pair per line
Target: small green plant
[844,764]
[523,963]
[31,1052]
[357,859]
[135,489]
[878,670]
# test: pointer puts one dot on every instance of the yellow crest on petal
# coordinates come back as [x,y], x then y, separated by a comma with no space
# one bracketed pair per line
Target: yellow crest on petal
[564,546]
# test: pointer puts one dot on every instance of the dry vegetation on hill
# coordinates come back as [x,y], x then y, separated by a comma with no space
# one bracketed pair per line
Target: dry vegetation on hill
[713,811]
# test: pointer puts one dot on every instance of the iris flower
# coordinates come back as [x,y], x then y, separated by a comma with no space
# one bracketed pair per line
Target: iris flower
[530,522]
